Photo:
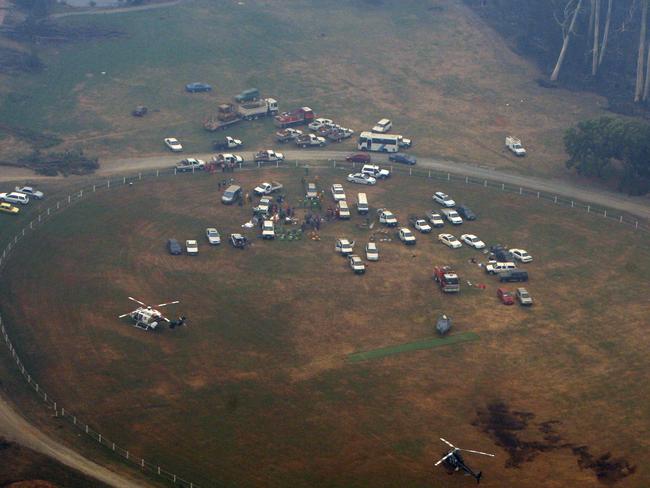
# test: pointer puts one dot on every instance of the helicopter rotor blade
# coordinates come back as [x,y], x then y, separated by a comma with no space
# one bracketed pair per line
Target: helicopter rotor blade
[138,301]
[477,452]
[448,443]
[165,319]
[445,457]
[160,305]
[124,315]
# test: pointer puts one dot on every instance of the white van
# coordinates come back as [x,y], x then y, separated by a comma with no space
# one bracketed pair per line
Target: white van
[14,197]
[344,211]
[231,195]
[362,203]
[494,268]
[383,126]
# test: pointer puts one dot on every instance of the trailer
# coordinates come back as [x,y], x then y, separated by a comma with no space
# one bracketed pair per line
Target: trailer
[258,108]
[300,116]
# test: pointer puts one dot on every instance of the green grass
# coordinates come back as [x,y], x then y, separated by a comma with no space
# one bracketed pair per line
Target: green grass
[412,346]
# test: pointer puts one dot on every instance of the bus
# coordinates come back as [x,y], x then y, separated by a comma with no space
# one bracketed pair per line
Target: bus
[369,141]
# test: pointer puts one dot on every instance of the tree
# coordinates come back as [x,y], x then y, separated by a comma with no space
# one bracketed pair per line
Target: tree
[567,30]
[608,21]
[638,90]
[596,47]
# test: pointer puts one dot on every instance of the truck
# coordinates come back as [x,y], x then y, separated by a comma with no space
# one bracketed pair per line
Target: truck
[447,279]
[268,156]
[306,140]
[258,108]
[387,217]
[227,143]
[286,135]
[420,224]
[227,158]
[248,95]
[267,188]
[299,116]
[268,230]
[190,164]
[227,116]
[515,146]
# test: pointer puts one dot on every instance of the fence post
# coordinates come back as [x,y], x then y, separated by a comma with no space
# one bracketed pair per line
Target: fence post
[467,180]
[108,184]
[588,208]
[410,171]
[174,171]
[69,198]
[485,183]
[571,203]
[448,177]
[139,176]
[538,195]
[94,188]
[555,198]
[636,224]
[124,180]
[81,193]
[157,173]
[621,219]
[429,174]
[100,438]
[503,186]
[604,213]
[520,191]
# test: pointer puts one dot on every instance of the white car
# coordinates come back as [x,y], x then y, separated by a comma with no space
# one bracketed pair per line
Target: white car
[173,144]
[521,255]
[452,216]
[357,265]
[192,247]
[229,158]
[472,241]
[436,220]
[406,236]
[449,240]
[372,253]
[361,179]
[318,123]
[422,226]
[443,199]
[268,230]
[375,171]
[344,247]
[213,236]
[337,192]
[387,218]
[31,192]
[14,197]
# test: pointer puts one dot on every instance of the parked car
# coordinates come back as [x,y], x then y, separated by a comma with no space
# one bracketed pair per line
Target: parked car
[361,179]
[436,219]
[8,208]
[268,229]
[472,241]
[449,240]
[372,253]
[521,255]
[197,87]
[387,217]
[174,247]
[238,241]
[375,171]
[319,122]
[420,225]
[452,216]
[466,212]
[524,297]
[513,275]
[406,236]
[213,236]
[498,267]
[505,296]
[443,199]
[173,144]
[31,192]
[14,197]
[501,253]
[192,247]
[383,126]
[338,193]
[358,158]
[139,111]
[403,158]
[344,247]
[357,265]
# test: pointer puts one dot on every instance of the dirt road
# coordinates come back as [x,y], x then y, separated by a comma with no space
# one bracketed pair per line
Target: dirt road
[151,6]
[15,428]
[639,206]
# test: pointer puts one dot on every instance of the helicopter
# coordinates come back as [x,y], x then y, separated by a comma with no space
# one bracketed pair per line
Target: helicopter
[147,317]
[454,461]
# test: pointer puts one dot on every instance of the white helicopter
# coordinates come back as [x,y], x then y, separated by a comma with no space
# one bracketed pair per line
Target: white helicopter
[454,461]
[147,317]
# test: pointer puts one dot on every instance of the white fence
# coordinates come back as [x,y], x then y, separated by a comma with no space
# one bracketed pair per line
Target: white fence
[153,468]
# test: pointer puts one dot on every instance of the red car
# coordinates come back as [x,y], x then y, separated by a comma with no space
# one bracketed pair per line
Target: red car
[505,296]
[358,158]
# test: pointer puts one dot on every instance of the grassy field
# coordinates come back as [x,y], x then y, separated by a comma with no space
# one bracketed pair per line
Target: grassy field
[258,390]
[444,78]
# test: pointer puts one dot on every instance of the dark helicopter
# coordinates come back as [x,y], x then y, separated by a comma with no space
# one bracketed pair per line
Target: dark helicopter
[453,461]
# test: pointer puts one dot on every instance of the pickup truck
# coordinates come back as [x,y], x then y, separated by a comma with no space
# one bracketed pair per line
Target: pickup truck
[288,134]
[268,230]
[375,171]
[387,218]
[515,146]
[263,207]
[302,115]
[227,158]
[452,216]
[307,140]
[227,143]
[190,164]
[268,156]
[31,192]
[267,188]
[447,279]
[420,224]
